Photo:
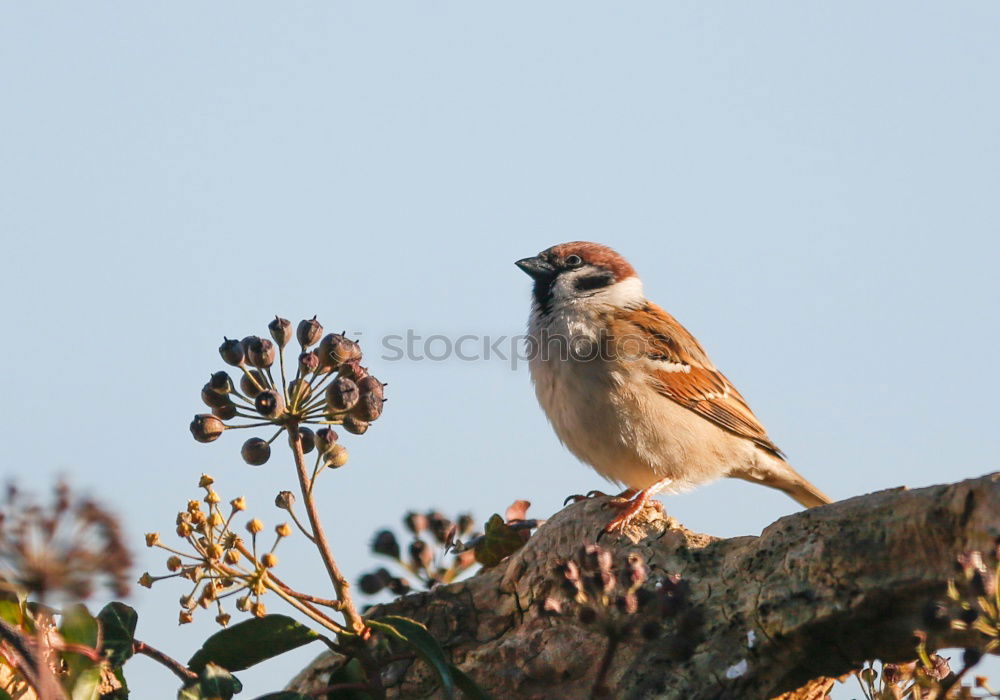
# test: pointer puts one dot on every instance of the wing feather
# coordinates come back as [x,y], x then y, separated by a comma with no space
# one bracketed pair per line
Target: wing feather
[681,371]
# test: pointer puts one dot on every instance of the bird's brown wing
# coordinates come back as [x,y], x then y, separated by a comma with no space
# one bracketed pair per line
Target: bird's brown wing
[681,371]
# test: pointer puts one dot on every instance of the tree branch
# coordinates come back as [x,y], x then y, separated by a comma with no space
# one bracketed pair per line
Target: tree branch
[814,596]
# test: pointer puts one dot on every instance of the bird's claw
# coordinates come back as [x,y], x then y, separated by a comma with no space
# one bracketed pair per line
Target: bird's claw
[576,497]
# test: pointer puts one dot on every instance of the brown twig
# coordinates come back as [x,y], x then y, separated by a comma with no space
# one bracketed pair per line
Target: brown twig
[179,670]
[340,583]
[600,690]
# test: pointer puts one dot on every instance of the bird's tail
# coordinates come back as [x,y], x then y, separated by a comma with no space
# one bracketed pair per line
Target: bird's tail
[778,474]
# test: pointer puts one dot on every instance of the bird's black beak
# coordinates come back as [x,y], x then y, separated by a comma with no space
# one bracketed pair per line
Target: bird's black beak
[536,268]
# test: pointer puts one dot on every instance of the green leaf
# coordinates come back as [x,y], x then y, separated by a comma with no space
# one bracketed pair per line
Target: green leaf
[78,626]
[214,683]
[87,685]
[10,612]
[118,623]
[499,542]
[417,636]
[351,672]
[250,642]
[468,686]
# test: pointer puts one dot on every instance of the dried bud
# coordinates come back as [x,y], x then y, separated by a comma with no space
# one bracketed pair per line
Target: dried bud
[968,615]
[252,387]
[984,583]
[370,584]
[205,481]
[227,412]
[299,390]
[368,408]
[283,530]
[281,331]
[415,522]
[258,609]
[465,524]
[627,604]
[342,394]
[255,526]
[439,526]
[238,503]
[184,617]
[269,560]
[308,439]
[352,370]
[152,539]
[336,456]
[399,586]
[371,385]
[232,556]
[385,544]
[213,551]
[231,352]
[174,563]
[421,554]
[335,350]
[284,500]
[260,352]
[308,363]
[212,497]
[325,439]
[205,427]
[550,606]
[269,404]
[309,332]
[220,382]
[223,619]
[213,399]
[355,426]
[636,571]
[256,451]
[146,581]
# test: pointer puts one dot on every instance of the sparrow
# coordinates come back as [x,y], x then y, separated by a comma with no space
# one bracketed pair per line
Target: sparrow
[631,392]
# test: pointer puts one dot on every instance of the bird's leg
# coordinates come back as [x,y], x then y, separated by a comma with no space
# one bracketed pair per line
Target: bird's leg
[630,508]
[594,493]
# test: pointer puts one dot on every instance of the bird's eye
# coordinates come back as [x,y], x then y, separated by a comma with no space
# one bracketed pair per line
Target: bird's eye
[573,261]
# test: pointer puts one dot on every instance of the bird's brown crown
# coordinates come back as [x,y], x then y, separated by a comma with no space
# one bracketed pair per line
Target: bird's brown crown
[593,254]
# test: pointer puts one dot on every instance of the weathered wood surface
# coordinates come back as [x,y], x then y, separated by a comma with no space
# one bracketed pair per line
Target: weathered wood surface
[815,595]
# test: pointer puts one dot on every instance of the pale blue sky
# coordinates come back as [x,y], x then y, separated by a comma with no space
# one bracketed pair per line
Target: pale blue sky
[810,187]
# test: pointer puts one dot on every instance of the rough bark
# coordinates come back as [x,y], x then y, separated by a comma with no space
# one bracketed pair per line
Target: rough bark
[814,595]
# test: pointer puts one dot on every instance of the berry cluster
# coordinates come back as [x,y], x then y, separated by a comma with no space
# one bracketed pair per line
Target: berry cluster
[218,561]
[330,387]
[611,596]
[62,550]
[427,555]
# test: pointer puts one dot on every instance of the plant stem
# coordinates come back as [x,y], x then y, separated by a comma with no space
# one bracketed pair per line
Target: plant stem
[339,581]
[173,664]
